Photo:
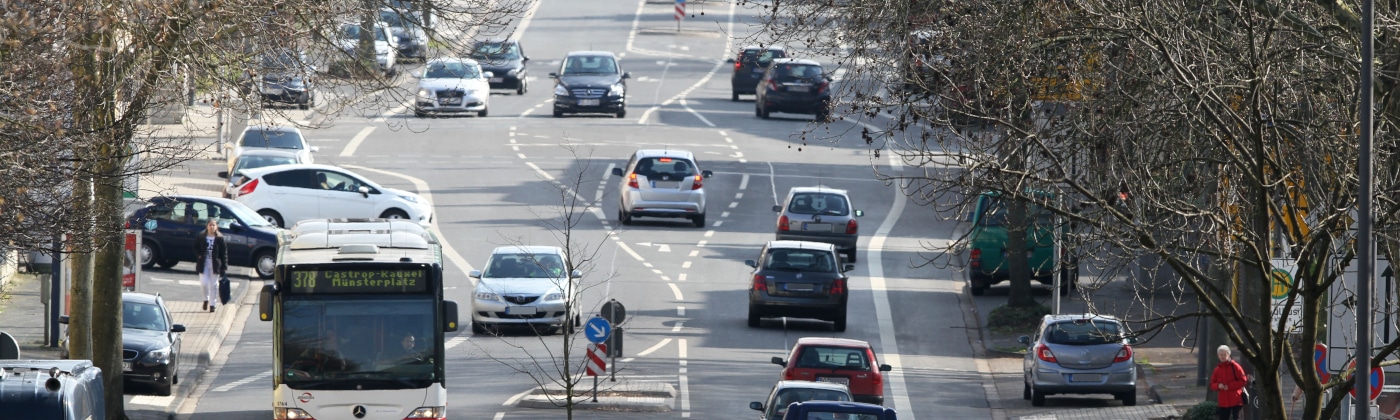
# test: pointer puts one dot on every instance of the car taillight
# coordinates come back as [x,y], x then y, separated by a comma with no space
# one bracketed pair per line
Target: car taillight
[823,87]
[974,258]
[1042,352]
[783,223]
[738,63]
[772,85]
[789,374]
[852,227]
[632,180]
[126,224]
[248,187]
[1124,355]
[759,283]
[838,287]
[699,181]
[879,377]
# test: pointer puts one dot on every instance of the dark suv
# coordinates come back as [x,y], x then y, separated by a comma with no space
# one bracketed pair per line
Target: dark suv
[794,85]
[506,62]
[590,81]
[798,279]
[749,67]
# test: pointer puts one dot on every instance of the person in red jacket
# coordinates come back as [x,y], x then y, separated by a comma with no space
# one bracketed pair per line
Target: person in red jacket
[1228,381]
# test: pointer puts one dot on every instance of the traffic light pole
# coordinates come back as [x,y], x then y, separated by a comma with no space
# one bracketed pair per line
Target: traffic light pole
[1365,270]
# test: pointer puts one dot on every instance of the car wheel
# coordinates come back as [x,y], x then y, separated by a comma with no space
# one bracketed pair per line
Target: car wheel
[1026,391]
[271,217]
[482,113]
[755,317]
[167,263]
[624,217]
[520,88]
[477,328]
[149,255]
[622,114]
[734,96]
[419,114]
[762,111]
[265,263]
[304,106]
[699,221]
[977,286]
[175,380]
[163,389]
[394,214]
[1037,398]
[839,324]
[1129,399]
[851,255]
[558,114]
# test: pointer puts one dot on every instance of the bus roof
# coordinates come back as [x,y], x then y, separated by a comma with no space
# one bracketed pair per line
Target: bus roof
[364,240]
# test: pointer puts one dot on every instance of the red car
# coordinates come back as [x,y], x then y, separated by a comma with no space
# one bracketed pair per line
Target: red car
[839,360]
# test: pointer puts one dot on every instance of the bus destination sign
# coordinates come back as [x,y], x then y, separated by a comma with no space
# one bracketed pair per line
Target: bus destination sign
[358,280]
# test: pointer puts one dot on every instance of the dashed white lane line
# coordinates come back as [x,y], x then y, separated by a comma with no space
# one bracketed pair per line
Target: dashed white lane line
[680,312]
[734,204]
[355,141]
[676,291]
[457,341]
[680,277]
[701,244]
[684,379]
[685,264]
[244,381]
[743,181]
[537,169]
[724,215]
[717,223]
[694,252]
[499,415]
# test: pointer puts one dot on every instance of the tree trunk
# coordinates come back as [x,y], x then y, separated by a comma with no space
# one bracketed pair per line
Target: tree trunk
[107,292]
[80,294]
[1017,265]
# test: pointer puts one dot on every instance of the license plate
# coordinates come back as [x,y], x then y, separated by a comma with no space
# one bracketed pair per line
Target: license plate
[126,366]
[450,101]
[521,310]
[587,102]
[497,79]
[271,91]
[824,227]
[835,380]
[798,89]
[760,70]
[1086,377]
[798,287]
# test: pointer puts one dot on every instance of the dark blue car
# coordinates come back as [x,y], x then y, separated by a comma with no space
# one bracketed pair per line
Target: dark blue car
[827,410]
[170,226]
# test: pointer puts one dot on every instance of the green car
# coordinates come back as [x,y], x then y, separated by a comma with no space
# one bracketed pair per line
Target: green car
[987,262]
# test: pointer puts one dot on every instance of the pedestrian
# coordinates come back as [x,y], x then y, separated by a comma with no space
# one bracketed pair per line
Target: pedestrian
[1228,381]
[211,262]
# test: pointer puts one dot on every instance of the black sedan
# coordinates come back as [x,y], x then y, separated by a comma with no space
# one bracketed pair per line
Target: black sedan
[171,225]
[796,86]
[150,342]
[799,279]
[505,60]
[592,82]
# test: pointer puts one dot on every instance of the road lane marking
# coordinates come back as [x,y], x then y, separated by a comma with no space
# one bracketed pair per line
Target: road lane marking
[685,264]
[634,254]
[773,182]
[676,291]
[355,141]
[680,311]
[725,214]
[514,398]
[455,341]
[684,380]
[743,181]
[728,43]
[702,118]
[539,171]
[680,277]
[889,342]
[242,382]
[655,347]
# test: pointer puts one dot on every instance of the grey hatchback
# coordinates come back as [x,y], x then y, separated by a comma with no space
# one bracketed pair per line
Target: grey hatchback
[819,214]
[798,279]
[1079,354]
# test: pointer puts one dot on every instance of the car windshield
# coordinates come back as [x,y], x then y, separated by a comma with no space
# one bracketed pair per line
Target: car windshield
[830,415]
[451,70]
[352,31]
[251,162]
[590,64]
[995,214]
[1084,333]
[143,316]
[820,357]
[272,139]
[397,19]
[818,203]
[534,266]
[280,61]
[496,51]
[797,71]
[797,259]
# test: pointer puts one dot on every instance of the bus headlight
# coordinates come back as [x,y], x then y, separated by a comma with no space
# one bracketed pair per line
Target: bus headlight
[437,413]
[284,413]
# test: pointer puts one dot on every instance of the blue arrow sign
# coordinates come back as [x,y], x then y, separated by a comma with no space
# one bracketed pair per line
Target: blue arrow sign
[597,330]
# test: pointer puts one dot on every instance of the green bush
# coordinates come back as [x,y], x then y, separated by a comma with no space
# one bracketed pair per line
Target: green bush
[1202,411]
[1016,319]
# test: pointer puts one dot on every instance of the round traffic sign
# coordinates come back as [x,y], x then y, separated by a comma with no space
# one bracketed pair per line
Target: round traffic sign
[613,311]
[597,330]
[1377,381]
[1320,362]
[1281,282]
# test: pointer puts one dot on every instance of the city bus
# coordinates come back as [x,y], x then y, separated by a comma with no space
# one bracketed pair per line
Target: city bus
[358,319]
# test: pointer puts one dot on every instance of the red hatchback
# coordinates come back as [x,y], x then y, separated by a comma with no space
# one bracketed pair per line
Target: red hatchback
[839,360]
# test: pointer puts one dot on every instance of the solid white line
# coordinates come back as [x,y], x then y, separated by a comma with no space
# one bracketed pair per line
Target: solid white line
[423,190]
[676,291]
[653,348]
[773,182]
[525,21]
[355,142]
[514,398]
[728,43]
[539,171]
[889,342]
[629,250]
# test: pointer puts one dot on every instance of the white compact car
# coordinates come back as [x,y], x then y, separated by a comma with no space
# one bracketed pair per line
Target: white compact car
[453,85]
[386,46]
[527,286]
[662,183]
[287,194]
[270,137]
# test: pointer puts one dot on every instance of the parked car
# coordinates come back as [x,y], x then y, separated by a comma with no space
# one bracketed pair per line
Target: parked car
[788,392]
[52,390]
[749,67]
[590,81]
[285,77]
[386,47]
[256,158]
[286,194]
[1079,354]
[407,28]
[819,214]
[453,85]
[272,137]
[839,360]
[170,225]
[839,410]
[662,183]
[987,244]
[798,279]
[795,86]
[525,285]
[506,60]
[150,342]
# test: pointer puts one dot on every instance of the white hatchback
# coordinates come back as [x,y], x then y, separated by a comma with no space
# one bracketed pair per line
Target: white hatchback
[527,286]
[267,137]
[287,194]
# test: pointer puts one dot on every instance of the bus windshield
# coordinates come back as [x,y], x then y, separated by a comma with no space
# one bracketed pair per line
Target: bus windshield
[344,342]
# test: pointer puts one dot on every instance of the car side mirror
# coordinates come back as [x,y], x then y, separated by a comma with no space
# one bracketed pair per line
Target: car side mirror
[576,274]
[777,208]
[524,58]
[1024,340]
[626,75]
[476,274]
[553,75]
[315,149]
[617,171]
[265,302]
[778,361]
[1133,340]
[364,191]
[177,328]
[223,174]
[885,368]
[488,74]
[707,173]
[63,319]
[756,406]
[860,213]
[848,267]
[751,263]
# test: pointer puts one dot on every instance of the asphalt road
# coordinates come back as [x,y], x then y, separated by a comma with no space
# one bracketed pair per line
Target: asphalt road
[496,181]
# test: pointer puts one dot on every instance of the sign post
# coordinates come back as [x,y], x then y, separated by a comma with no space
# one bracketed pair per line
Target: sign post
[596,365]
[680,13]
[615,313]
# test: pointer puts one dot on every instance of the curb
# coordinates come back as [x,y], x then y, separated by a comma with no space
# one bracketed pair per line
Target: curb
[639,401]
[1154,392]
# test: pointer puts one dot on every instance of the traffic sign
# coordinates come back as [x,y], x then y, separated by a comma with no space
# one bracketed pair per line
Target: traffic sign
[1320,362]
[613,311]
[597,330]
[596,365]
[1377,380]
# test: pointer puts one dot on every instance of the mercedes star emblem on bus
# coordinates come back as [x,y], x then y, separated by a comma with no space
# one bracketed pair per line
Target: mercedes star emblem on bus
[358,411]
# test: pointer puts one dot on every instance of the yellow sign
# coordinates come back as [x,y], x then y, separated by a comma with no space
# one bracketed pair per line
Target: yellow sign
[1282,281]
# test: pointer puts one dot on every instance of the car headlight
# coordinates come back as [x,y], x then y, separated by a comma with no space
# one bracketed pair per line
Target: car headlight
[513,72]
[560,90]
[409,198]
[488,296]
[425,94]
[159,356]
[617,90]
[553,297]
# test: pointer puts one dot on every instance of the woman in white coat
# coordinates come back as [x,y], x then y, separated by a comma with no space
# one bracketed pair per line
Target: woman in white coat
[211,262]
